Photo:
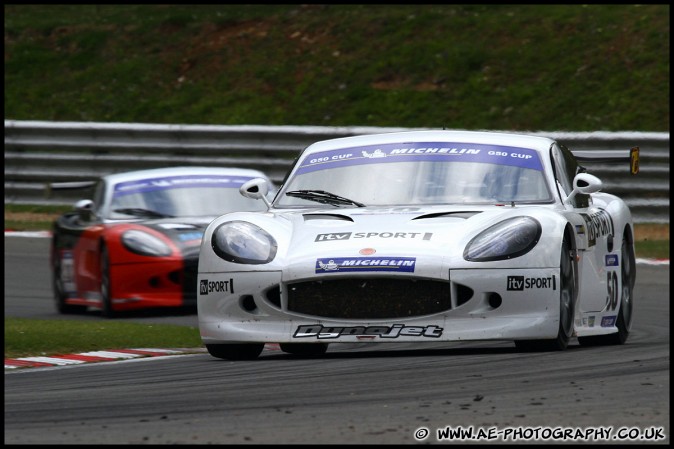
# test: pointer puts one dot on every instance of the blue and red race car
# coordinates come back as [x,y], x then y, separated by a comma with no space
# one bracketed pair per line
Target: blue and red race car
[136,244]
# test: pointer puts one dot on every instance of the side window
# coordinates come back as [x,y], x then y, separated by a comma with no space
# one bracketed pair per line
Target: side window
[566,168]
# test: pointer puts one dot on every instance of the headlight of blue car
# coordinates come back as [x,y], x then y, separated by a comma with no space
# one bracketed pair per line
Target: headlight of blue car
[243,242]
[145,244]
[510,238]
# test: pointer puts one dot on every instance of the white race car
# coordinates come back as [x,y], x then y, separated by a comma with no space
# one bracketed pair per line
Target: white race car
[422,236]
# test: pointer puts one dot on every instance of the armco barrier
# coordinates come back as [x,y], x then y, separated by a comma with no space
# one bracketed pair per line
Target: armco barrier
[38,153]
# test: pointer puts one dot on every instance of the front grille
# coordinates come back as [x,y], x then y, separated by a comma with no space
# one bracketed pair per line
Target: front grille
[366,298]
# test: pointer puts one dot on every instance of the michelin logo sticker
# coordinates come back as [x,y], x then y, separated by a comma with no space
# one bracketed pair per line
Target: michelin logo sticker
[612,260]
[364,264]
[422,151]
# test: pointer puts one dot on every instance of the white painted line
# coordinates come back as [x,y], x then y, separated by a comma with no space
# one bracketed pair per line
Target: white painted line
[51,360]
[653,261]
[112,355]
[167,351]
[28,234]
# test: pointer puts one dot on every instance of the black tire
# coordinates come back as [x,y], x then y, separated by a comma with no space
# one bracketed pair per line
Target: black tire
[106,301]
[59,293]
[624,319]
[567,299]
[304,349]
[235,351]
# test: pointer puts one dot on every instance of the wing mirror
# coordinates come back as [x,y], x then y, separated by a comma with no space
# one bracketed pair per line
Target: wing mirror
[584,183]
[256,189]
[84,209]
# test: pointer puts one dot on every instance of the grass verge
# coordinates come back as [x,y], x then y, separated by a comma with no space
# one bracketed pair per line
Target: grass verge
[30,337]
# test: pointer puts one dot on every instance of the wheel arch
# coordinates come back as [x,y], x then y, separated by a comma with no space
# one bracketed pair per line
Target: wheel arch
[628,235]
[570,236]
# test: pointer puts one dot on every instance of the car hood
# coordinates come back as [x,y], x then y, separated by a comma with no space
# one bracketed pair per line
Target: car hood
[399,232]
[390,226]
[430,238]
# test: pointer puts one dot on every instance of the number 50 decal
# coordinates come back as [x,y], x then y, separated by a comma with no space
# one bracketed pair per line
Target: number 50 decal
[612,284]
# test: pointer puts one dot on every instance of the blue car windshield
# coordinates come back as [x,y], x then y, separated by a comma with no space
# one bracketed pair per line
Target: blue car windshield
[180,196]
[421,173]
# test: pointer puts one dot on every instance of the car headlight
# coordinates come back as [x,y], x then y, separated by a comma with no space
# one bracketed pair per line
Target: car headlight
[243,242]
[145,244]
[510,238]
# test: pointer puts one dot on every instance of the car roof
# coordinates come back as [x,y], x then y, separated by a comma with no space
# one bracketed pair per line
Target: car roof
[177,171]
[481,137]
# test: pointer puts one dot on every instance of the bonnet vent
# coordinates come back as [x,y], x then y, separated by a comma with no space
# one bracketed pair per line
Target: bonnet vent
[338,217]
[458,214]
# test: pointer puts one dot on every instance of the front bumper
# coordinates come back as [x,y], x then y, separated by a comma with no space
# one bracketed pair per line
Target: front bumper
[474,304]
[161,283]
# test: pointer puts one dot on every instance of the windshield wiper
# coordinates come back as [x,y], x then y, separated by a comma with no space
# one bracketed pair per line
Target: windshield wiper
[139,212]
[321,196]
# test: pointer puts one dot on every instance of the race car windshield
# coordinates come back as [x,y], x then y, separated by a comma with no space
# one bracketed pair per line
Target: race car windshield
[180,196]
[423,173]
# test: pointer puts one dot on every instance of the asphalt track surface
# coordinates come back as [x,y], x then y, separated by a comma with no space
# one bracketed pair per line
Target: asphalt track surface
[383,394]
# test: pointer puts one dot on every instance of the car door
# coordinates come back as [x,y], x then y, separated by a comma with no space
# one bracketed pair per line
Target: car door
[593,228]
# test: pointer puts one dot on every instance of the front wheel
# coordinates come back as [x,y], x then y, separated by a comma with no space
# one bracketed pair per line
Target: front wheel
[235,351]
[567,299]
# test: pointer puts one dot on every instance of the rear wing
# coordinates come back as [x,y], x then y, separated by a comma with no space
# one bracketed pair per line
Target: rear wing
[611,157]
